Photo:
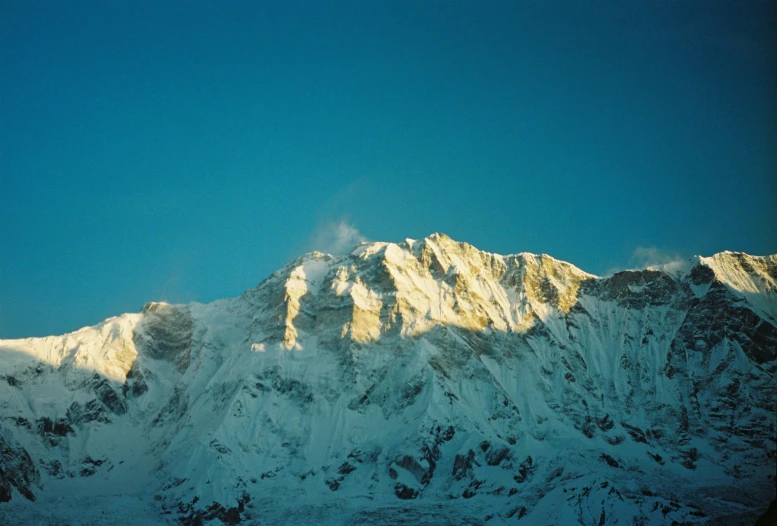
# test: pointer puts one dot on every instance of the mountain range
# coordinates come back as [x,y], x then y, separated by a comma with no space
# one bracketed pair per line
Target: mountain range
[419,382]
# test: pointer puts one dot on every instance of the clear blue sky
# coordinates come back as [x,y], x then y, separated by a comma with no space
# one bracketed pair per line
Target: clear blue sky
[184,150]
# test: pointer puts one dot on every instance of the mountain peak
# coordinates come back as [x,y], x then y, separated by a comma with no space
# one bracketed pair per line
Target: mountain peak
[425,376]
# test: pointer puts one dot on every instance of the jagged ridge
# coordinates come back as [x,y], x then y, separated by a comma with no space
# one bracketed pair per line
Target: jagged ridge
[423,371]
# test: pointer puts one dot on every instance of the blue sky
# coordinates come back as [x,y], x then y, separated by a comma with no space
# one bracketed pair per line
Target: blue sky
[168,151]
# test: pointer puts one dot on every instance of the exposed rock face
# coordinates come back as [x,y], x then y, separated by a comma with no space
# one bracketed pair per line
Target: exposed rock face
[17,471]
[165,334]
[427,374]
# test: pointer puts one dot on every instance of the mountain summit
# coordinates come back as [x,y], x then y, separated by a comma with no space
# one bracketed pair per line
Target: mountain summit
[419,382]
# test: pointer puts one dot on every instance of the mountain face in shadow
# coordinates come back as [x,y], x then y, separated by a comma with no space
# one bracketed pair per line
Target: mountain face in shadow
[425,381]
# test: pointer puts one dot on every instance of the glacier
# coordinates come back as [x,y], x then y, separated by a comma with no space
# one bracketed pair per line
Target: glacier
[401,383]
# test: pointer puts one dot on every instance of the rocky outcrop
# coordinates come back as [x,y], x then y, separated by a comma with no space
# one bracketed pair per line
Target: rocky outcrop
[165,334]
[17,471]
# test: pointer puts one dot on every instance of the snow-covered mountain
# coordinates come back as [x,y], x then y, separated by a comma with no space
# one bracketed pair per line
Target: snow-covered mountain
[420,382]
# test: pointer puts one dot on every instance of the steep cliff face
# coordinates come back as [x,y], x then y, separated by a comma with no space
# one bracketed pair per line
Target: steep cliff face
[425,380]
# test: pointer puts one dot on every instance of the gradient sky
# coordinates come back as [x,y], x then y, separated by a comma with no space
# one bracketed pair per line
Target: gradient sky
[183,151]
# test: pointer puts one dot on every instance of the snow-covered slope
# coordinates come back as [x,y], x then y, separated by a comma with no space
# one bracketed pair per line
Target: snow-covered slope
[425,381]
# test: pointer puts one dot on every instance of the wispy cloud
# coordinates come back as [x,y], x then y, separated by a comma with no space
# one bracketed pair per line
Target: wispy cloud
[336,237]
[333,231]
[646,257]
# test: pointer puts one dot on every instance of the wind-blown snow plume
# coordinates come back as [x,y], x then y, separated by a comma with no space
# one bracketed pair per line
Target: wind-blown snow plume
[645,257]
[336,237]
